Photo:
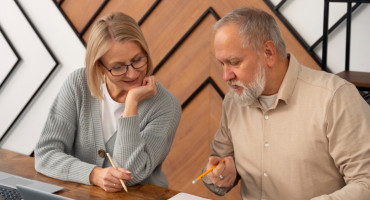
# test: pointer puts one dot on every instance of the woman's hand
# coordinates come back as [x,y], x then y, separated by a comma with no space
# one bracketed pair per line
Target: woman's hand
[146,90]
[108,178]
[136,95]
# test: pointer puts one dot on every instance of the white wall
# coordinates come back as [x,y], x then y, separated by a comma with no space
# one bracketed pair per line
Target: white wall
[306,16]
[35,65]
[36,62]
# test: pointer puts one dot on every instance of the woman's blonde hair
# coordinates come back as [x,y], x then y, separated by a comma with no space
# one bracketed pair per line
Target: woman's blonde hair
[117,27]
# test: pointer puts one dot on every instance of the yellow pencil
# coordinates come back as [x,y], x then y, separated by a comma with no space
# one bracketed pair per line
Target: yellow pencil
[114,166]
[205,173]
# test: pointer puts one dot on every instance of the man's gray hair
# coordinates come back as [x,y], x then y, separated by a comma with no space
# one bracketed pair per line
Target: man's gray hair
[256,27]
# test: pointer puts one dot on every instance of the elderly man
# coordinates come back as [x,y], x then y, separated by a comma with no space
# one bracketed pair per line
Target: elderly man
[287,131]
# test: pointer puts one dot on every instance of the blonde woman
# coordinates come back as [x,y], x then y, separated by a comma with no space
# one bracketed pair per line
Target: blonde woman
[114,106]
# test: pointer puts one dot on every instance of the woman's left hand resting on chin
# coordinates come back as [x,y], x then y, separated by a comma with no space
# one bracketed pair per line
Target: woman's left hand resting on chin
[147,89]
[109,178]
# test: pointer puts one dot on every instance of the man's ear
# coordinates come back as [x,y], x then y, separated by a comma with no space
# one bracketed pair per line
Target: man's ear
[270,53]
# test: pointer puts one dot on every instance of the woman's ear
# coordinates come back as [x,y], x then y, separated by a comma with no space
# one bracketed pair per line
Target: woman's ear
[270,53]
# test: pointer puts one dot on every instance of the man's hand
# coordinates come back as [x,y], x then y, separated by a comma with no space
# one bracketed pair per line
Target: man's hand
[108,178]
[224,174]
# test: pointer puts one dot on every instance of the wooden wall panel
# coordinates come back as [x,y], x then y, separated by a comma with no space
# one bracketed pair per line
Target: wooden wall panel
[190,65]
[73,11]
[130,7]
[199,122]
[169,22]
[183,70]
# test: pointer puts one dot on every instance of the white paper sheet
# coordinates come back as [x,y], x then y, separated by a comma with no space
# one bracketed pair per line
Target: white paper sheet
[186,196]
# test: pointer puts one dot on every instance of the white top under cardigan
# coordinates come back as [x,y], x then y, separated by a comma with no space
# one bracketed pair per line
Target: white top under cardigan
[69,143]
[110,111]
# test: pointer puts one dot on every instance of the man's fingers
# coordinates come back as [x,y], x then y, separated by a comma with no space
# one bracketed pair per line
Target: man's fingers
[224,174]
[219,169]
[214,160]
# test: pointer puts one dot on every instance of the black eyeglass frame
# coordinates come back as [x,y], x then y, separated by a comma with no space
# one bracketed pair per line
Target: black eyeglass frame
[126,66]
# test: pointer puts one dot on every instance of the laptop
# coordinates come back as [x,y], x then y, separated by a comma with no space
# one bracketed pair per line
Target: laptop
[11,180]
[28,193]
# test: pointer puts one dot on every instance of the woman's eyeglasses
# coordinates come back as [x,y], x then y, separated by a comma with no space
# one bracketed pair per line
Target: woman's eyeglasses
[122,69]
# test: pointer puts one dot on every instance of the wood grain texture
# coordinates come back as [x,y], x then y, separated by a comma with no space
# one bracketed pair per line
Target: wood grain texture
[23,166]
[359,79]
[184,71]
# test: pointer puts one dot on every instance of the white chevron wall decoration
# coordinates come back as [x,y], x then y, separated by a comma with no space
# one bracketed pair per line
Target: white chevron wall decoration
[49,50]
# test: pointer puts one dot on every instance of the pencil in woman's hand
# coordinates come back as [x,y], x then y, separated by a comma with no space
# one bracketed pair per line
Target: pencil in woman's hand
[114,166]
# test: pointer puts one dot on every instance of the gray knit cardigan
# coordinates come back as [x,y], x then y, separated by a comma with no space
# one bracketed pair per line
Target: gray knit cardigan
[69,143]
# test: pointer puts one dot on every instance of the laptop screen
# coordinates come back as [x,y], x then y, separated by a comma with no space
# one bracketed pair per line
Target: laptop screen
[32,194]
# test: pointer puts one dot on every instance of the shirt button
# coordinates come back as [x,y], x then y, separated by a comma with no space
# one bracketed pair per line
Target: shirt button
[101,153]
[264,173]
[267,144]
[266,117]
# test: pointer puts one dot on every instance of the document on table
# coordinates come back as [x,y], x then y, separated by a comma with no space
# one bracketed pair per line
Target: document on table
[186,196]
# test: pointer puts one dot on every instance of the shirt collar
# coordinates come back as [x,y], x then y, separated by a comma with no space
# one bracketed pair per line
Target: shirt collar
[290,79]
[287,86]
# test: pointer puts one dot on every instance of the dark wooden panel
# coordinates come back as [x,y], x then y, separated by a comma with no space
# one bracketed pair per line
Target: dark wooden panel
[359,79]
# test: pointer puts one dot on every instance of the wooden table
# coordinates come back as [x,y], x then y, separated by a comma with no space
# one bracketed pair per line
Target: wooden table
[22,165]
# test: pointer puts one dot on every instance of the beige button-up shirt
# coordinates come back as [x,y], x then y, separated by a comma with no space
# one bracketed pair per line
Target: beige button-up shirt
[313,142]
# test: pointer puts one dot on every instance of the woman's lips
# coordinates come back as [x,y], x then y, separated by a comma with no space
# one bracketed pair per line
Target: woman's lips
[132,81]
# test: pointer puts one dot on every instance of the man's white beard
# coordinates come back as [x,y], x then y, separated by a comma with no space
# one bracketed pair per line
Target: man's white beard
[252,91]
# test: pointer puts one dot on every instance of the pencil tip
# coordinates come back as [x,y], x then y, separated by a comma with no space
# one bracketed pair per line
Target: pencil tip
[194,181]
